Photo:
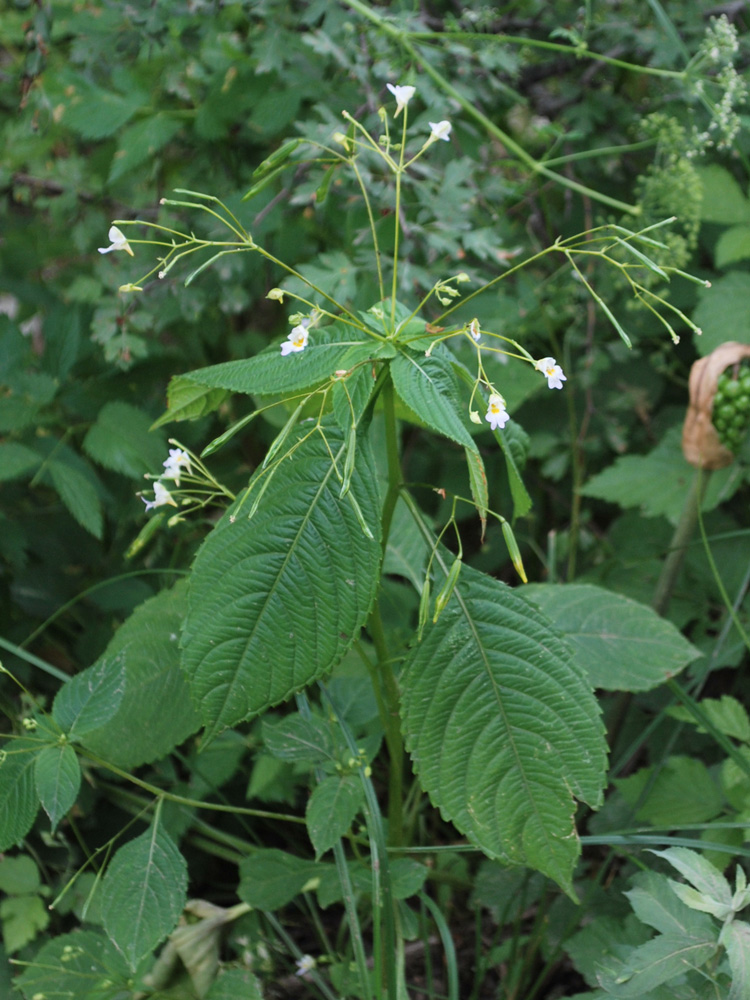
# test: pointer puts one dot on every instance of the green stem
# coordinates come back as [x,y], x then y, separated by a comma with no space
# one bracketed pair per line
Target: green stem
[386,958]
[184,801]
[377,631]
[678,547]
[347,889]
[535,166]
[538,43]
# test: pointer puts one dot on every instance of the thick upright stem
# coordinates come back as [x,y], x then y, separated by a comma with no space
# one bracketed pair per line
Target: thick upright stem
[383,674]
[680,540]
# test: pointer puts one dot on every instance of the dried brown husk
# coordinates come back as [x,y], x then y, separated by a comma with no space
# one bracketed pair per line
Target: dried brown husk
[700,441]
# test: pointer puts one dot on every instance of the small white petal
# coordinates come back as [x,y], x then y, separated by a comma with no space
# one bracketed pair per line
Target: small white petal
[117,242]
[441,130]
[403,95]
[497,415]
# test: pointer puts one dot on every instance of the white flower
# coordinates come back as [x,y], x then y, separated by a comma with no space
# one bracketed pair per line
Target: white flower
[177,461]
[496,414]
[402,94]
[551,371]
[162,496]
[117,242]
[440,130]
[305,964]
[474,330]
[296,341]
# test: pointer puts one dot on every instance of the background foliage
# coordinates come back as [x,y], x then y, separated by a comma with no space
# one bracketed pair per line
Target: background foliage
[107,108]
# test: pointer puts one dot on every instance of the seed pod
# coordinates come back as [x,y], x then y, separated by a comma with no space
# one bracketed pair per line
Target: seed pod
[701,444]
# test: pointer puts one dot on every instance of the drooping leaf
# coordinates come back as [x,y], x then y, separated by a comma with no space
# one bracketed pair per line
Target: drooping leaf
[623,645]
[58,778]
[328,350]
[143,893]
[90,699]
[122,440]
[331,810]
[503,727]
[155,713]
[519,493]
[81,965]
[478,482]
[275,601]
[19,801]
[429,387]
[79,495]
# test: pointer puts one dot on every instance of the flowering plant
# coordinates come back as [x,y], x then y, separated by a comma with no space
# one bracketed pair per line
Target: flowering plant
[484,707]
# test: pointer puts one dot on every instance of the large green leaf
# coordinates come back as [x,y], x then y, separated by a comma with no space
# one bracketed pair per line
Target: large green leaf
[58,778]
[330,349]
[429,388]
[503,727]
[623,645]
[83,965]
[19,801]
[156,712]
[276,600]
[144,893]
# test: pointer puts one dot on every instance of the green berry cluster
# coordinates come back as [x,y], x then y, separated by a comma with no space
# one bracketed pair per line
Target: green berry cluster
[731,409]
